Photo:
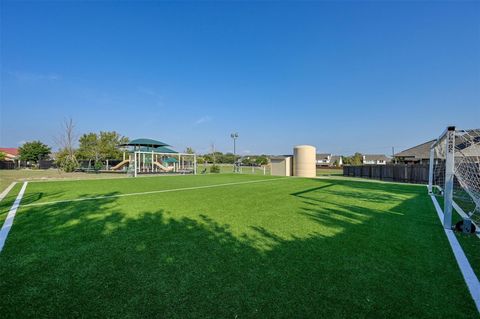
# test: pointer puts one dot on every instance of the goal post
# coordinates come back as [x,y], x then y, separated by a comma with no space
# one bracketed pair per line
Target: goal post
[440,180]
[454,174]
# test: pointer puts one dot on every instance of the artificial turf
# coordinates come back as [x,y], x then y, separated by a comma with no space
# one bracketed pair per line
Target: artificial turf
[281,248]
[7,202]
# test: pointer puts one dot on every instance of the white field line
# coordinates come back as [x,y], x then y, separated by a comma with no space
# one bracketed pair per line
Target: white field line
[466,269]
[153,192]
[362,180]
[7,190]
[11,215]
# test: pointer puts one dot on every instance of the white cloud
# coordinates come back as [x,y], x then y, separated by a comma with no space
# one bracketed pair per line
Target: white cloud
[203,119]
[28,76]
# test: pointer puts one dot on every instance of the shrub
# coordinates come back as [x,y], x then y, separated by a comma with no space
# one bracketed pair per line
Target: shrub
[98,166]
[67,163]
[215,169]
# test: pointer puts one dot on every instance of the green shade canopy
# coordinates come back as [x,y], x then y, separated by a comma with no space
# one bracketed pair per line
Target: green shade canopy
[170,160]
[160,149]
[145,142]
[163,149]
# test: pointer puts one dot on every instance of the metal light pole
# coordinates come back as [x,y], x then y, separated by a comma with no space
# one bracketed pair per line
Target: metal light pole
[234,136]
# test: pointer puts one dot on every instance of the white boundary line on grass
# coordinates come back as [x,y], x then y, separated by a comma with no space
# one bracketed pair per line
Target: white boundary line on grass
[7,190]
[11,215]
[466,269]
[153,192]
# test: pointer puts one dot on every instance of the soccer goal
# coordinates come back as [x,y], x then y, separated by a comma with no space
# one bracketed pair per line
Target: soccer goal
[454,175]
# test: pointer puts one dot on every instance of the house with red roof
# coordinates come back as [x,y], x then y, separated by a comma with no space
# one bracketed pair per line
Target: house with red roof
[11,154]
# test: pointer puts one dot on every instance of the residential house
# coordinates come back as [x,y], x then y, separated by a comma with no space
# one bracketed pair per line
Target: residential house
[12,158]
[375,159]
[419,154]
[323,159]
[328,160]
[11,154]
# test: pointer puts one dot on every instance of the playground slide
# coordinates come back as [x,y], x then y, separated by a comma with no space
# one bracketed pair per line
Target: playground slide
[162,167]
[120,165]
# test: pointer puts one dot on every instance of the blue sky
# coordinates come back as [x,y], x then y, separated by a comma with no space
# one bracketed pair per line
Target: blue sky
[343,76]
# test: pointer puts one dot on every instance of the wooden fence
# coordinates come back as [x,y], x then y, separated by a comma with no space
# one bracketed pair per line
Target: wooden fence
[7,165]
[417,173]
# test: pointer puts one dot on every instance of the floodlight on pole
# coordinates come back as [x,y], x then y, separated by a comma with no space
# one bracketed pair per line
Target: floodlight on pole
[234,136]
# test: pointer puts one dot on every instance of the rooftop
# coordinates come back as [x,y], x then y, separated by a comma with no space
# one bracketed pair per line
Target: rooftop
[145,142]
[375,157]
[421,151]
[9,150]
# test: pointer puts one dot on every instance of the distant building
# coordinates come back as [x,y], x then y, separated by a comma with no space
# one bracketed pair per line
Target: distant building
[328,160]
[419,154]
[12,158]
[323,159]
[12,154]
[375,159]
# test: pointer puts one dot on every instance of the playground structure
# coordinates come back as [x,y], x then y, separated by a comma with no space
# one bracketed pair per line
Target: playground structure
[147,156]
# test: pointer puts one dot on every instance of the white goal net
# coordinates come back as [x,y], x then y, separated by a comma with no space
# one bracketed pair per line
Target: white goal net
[455,173]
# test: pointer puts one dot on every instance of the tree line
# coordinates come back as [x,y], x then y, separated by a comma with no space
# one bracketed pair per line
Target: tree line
[92,147]
[228,158]
[98,147]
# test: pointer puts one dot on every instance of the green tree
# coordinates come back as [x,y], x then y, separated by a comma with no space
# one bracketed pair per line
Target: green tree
[227,158]
[261,160]
[189,150]
[2,156]
[34,151]
[109,142]
[89,147]
[208,158]
[66,158]
[102,146]
[357,159]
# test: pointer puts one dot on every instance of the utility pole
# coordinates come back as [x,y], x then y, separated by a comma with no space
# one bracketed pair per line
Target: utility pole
[213,154]
[234,136]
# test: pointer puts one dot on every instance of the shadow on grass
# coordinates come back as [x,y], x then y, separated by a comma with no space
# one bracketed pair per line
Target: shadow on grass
[88,259]
[30,198]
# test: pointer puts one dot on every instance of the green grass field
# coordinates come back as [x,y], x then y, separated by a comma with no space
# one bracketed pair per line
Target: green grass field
[329,172]
[245,246]
[8,176]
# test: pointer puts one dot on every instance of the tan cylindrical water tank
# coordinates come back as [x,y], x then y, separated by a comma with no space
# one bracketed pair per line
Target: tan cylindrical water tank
[304,158]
